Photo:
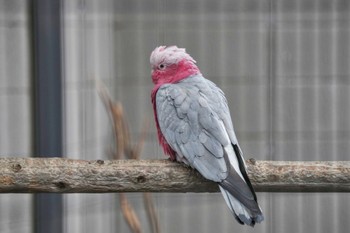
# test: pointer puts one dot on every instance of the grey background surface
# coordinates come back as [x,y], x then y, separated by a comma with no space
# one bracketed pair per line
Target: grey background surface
[284,66]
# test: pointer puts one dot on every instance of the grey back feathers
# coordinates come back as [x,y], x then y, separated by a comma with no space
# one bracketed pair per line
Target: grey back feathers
[194,118]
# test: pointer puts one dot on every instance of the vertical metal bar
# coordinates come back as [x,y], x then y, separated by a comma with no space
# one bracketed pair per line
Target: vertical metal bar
[272,92]
[47,105]
[271,71]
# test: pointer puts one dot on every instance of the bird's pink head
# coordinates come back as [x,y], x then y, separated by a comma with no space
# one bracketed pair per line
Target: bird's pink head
[171,64]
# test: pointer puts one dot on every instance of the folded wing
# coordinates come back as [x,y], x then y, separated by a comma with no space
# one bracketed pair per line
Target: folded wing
[194,118]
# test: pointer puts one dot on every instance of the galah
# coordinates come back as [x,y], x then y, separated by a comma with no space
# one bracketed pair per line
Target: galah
[194,127]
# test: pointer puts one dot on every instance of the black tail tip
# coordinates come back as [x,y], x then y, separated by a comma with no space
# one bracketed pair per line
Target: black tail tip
[242,219]
[259,218]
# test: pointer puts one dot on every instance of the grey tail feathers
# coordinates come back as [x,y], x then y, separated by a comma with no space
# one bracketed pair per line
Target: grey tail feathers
[242,214]
[239,195]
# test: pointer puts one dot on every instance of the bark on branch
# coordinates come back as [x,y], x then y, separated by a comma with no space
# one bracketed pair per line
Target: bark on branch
[57,175]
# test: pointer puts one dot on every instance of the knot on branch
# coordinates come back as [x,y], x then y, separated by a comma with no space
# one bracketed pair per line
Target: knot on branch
[16,167]
[141,179]
[100,161]
[61,185]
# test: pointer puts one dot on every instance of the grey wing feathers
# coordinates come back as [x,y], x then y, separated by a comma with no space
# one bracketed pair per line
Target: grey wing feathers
[194,118]
[192,128]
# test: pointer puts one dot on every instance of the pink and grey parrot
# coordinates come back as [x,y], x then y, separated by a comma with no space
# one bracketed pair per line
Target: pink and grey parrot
[194,127]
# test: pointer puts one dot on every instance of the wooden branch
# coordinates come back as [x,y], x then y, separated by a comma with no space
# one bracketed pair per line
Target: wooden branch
[57,175]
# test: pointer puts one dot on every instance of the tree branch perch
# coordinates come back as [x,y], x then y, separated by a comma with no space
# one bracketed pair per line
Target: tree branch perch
[59,175]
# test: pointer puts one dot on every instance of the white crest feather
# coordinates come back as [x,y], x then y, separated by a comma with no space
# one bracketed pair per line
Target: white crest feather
[169,55]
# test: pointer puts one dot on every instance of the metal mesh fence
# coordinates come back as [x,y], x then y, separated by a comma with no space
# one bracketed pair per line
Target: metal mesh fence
[284,66]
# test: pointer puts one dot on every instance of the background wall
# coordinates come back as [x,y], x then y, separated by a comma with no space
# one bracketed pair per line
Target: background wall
[15,106]
[284,66]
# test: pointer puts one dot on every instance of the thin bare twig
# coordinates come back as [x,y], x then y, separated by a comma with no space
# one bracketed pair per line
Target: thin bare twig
[152,216]
[138,148]
[125,148]
[129,214]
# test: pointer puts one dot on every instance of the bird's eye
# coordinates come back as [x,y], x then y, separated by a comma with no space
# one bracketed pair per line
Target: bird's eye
[161,66]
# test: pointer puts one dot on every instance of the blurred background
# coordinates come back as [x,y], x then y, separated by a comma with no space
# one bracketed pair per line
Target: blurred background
[284,66]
